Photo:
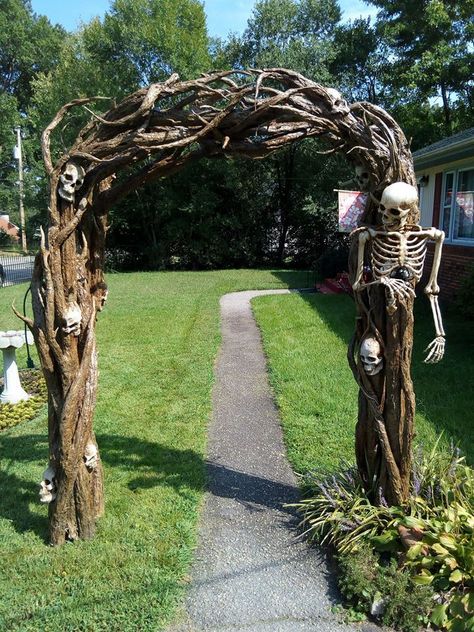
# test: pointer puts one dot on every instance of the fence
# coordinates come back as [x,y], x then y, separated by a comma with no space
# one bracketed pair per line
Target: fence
[15,270]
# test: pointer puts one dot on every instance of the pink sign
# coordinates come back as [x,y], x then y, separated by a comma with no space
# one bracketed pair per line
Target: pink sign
[351,208]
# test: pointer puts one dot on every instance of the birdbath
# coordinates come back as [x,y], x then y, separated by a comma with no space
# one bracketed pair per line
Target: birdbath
[10,341]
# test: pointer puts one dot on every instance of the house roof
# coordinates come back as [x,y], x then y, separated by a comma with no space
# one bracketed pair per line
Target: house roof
[449,149]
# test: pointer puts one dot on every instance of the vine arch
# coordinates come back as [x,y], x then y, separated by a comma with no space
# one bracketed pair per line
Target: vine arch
[151,134]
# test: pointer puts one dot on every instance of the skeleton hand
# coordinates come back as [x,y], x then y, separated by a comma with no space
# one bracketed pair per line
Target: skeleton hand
[396,289]
[435,350]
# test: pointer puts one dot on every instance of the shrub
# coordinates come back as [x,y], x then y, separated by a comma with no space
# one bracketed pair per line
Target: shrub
[465,295]
[383,590]
[334,259]
[13,414]
[395,551]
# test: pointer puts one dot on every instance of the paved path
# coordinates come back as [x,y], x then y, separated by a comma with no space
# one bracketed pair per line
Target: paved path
[251,573]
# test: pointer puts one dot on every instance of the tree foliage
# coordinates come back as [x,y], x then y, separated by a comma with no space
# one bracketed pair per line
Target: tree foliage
[411,54]
[431,42]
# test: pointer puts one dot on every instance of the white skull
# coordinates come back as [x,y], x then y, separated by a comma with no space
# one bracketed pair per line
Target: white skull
[48,486]
[371,356]
[398,199]
[72,320]
[71,180]
[338,103]
[363,178]
[90,456]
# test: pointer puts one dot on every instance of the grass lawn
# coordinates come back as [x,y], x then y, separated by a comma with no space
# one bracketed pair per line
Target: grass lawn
[158,339]
[305,339]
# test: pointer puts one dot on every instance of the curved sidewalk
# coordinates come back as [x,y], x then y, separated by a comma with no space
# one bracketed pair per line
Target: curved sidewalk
[251,573]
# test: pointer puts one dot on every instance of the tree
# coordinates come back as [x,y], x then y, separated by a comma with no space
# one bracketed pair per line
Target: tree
[296,34]
[431,42]
[29,45]
[359,61]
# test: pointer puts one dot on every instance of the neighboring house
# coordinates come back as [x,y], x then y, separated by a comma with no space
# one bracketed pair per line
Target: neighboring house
[9,228]
[445,175]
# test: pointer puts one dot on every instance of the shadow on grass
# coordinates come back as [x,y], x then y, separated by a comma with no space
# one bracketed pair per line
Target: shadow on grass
[151,464]
[296,278]
[19,493]
[185,469]
[443,391]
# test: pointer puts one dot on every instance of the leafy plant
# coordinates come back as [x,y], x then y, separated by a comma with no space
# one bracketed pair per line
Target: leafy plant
[339,512]
[465,295]
[383,590]
[387,554]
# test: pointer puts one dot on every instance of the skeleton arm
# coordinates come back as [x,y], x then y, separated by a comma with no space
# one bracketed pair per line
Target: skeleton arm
[436,348]
[364,237]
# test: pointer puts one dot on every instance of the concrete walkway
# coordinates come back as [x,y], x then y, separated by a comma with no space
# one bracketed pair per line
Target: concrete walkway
[250,571]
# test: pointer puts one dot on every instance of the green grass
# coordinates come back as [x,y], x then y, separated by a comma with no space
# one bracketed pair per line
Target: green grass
[305,339]
[158,339]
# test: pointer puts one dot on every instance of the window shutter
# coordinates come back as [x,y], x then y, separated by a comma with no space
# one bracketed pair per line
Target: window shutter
[437,199]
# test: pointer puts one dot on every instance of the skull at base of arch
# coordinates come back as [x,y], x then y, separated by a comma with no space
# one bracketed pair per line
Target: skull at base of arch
[47,491]
[398,199]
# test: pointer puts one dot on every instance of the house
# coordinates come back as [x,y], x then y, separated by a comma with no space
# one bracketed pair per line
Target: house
[445,175]
[10,229]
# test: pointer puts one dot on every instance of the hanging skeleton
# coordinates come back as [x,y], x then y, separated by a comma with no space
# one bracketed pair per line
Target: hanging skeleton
[397,256]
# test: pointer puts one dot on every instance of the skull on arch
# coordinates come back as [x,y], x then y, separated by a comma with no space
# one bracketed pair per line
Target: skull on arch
[371,355]
[70,181]
[363,178]
[72,320]
[398,199]
[47,491]
[338,103]
[90,456]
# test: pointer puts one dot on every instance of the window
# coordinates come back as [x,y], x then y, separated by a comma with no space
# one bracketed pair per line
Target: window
[458,206]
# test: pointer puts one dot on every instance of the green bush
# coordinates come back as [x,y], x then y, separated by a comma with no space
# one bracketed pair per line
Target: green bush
[383,590]
[396,551]
[334,258]
[465,295]
[13,414]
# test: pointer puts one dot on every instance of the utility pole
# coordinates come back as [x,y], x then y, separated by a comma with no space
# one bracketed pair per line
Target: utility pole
[19,157]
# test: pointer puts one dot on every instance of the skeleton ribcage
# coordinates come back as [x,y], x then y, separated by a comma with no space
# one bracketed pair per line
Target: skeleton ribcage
[396,251]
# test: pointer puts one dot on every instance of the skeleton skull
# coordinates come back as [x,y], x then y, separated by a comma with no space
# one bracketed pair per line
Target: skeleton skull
[101,293]
[398,199]
[71,180]
[90,456]
[72,320]
[48,486]
[337,101]
[363,178]
[371,356]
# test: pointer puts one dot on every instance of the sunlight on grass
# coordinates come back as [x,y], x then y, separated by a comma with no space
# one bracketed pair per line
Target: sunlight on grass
[158,339]
[305,339]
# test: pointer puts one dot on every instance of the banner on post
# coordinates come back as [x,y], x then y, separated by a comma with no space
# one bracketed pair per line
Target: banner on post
[351,209]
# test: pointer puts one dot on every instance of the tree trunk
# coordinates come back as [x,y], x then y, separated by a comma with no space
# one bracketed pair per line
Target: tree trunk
[68,290]
[385,425]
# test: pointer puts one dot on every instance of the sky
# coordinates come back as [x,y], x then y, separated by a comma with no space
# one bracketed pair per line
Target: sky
[223,16]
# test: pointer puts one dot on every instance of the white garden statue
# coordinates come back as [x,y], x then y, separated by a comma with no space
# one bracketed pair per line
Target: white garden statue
[10,341]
